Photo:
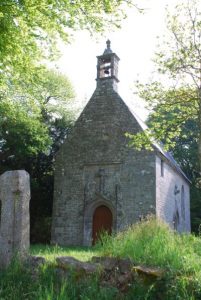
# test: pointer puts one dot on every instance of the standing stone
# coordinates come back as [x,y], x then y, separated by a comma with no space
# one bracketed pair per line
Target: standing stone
[14,215]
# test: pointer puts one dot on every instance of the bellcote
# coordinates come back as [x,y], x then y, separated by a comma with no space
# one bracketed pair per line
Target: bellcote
[107,69]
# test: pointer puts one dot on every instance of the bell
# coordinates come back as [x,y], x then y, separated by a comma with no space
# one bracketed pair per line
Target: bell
[106,72]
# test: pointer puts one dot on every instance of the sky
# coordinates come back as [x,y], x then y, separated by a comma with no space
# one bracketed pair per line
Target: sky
[135,44]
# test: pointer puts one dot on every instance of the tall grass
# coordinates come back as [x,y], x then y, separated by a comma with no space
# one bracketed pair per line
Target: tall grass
[18,283]
[153,243]
[149,243]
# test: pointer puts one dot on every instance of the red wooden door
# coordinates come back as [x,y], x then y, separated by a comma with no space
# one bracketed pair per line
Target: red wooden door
[102,221]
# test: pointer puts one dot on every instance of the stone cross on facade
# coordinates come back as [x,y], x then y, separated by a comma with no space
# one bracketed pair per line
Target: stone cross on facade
[101,174]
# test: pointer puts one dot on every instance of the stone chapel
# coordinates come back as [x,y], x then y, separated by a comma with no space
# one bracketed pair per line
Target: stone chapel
[101,183]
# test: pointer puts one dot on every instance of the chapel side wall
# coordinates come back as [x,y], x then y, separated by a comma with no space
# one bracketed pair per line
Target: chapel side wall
[138,187]
[168,196]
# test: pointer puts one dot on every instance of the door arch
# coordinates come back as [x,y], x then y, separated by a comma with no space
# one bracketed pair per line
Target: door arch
[102,221]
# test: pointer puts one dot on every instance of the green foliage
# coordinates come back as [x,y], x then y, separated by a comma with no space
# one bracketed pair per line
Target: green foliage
[21,129]
[34,120]
[51,252]
[195,208]
[18,283]
[56,97]
[26,115]
[179,55]
[171,108]
[141,140]
[30,30]
[177,60]
[149,242]
[175,99]
[51,85]
[152,243]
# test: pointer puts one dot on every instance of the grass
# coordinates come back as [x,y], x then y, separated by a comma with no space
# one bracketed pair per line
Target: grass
[51,252]
[18,283]
[149,243]
[153,243]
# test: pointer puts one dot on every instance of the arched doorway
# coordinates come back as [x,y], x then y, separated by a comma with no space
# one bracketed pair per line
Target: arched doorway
[102,221]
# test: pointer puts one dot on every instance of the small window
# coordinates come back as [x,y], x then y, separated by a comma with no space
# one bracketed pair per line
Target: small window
[162,168]
[182,202]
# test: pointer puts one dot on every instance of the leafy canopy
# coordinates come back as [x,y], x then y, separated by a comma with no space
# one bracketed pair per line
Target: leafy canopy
[175,97]
[30,29]
[27,117]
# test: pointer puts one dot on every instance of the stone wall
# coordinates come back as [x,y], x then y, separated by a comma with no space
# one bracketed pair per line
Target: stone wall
[138,185]
[14,215]
[170,189]
[98,144]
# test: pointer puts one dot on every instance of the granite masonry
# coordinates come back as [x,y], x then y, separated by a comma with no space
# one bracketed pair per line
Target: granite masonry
[14,215]
[101,183]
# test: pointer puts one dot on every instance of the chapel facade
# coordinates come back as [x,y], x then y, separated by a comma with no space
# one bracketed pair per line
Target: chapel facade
[102,184]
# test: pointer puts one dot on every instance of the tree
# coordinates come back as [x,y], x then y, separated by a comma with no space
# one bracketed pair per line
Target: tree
[178,62]
[57,93]
[21,129]
[33,124]
[30,30]
[175,98]
[27,116]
